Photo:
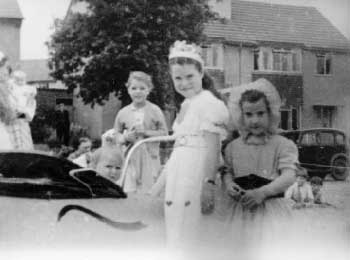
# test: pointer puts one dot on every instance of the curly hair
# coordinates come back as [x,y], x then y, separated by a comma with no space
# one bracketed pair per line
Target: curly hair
[140,76]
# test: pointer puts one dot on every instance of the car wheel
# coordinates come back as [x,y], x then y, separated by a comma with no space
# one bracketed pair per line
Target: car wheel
[339,172]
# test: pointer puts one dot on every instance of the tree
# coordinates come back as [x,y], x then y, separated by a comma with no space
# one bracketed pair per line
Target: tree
[97,49]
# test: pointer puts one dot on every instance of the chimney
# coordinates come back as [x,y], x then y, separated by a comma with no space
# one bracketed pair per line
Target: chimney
[222,7]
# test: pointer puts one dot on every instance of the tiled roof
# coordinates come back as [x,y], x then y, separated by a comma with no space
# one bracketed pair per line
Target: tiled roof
[36,70]
[263,22]
[10,9]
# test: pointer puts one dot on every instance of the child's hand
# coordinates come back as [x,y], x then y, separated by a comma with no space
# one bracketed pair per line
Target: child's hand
[139,130]
[130,136]
[298,205]
[207,198]
[234,191]
[253,198]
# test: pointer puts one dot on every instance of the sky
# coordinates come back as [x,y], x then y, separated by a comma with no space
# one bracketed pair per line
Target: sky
[40,14]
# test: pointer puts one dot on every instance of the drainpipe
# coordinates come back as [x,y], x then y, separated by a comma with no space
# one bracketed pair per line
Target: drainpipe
[240,64]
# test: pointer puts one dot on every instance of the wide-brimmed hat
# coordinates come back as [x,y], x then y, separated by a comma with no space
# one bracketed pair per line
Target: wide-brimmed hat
[271,94]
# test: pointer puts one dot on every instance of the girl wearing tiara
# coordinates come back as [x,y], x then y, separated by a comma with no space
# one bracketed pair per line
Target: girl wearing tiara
[261,165]
[134,122]
[189,174]
[7,114]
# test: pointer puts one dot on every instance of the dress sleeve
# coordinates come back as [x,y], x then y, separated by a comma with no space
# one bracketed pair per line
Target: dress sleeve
[214,117]
[288,156]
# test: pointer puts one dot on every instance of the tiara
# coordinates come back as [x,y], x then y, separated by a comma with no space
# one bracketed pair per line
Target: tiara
[182,49]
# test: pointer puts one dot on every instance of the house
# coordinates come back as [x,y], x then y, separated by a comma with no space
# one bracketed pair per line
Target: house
[50,92]
[10,25]
[294,47]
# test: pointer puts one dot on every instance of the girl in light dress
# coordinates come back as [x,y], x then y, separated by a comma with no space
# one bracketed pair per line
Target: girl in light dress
[258,217]
[7,112]
[189,173]
[139,120]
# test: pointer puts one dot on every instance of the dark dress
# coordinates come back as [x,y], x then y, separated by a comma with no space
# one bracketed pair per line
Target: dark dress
[62,126]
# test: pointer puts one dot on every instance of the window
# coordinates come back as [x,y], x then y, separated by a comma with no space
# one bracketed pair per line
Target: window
[323,65]
[308,139]
[339,139]
[213,56]
[43,85]
[325,114]
[325,138]
[289,119]
[269,59]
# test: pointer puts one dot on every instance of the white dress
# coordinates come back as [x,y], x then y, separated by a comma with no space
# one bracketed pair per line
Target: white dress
[184,169]
[5,141]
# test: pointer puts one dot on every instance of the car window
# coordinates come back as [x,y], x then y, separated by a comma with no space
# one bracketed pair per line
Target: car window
[339,139]
[325,138]
[308,139]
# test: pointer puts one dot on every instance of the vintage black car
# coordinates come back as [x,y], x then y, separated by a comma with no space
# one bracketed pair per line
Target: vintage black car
[322,151]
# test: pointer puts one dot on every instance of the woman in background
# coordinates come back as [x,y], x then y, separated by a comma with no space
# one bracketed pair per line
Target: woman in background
[7,114]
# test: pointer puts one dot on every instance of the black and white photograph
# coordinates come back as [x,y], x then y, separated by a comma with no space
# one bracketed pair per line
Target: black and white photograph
[175,129]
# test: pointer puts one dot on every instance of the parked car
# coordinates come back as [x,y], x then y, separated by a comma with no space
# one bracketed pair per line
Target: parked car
[322,151]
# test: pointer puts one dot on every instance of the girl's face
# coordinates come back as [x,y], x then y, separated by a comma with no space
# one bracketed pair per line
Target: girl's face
[4,73]
[187,79]
[138,91]
[301,180]
[85,147]
[315,188]
[255,117]
[109,168]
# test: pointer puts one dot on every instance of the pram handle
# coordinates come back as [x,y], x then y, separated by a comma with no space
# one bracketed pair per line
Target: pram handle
[121,180]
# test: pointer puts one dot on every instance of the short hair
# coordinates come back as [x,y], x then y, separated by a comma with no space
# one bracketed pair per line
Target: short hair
[19,74]
[140,76]
[302,172]
[315,180]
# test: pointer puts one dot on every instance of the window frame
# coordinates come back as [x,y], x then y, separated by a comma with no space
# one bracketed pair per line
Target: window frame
[325,57]
[265,60]
[213,56]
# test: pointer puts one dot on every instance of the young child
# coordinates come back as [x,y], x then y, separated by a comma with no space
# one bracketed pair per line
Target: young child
[316,186]
[140,119]
[258,156]
[300,192]
[24,93]
[108,159]
[189,173]
[82,155]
